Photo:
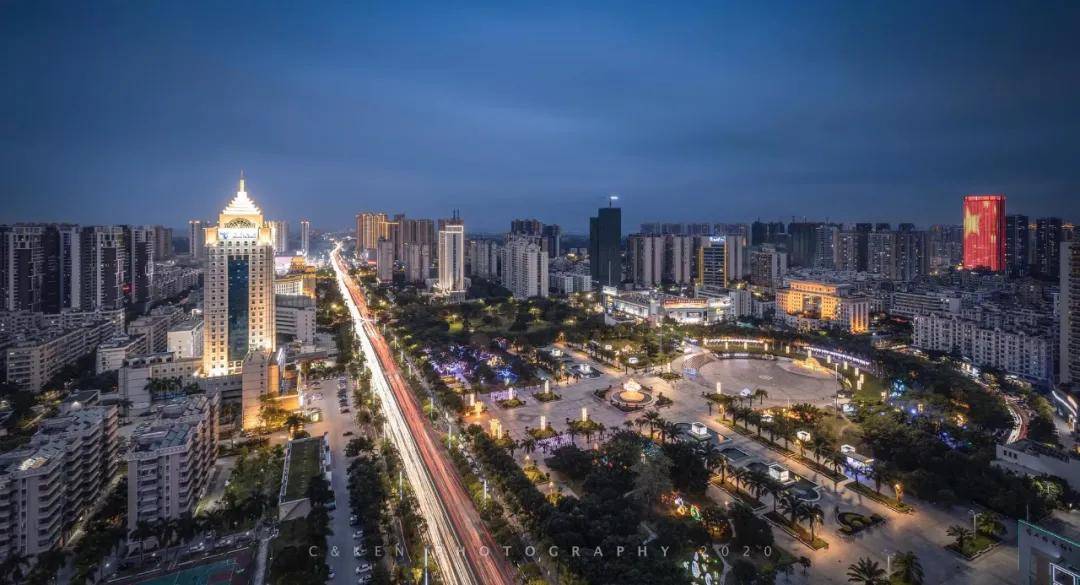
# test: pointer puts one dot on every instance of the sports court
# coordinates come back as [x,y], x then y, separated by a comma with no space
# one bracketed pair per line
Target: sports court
[220,572]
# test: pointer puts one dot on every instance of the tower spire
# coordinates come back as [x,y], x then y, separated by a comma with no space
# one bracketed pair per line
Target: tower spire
[241,180]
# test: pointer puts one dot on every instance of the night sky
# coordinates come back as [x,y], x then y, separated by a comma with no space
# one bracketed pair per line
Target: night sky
[145,112]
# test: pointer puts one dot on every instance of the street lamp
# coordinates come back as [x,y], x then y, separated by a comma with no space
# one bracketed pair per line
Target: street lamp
[974,521]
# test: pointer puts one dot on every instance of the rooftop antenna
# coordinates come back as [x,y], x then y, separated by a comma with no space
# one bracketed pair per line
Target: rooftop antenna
[612,199]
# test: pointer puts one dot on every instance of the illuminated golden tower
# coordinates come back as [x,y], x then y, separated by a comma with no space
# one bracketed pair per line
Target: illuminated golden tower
[239,303]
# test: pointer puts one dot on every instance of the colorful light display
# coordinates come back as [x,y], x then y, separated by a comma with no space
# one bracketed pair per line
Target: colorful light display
[984,232]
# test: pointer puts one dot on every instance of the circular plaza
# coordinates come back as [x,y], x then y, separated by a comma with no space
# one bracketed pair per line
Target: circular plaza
[786,381]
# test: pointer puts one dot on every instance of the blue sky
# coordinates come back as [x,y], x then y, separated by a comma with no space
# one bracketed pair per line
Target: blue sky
[146,112]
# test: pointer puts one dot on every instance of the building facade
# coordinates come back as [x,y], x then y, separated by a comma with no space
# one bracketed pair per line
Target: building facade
[984,232]
[170,459]
[525,271]
[811,304]
[452,257]
[48,483]
[239,301]
[605,234]
[1024,353]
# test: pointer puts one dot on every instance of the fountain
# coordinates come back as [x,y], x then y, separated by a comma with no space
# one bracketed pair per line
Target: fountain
[812,364]
[631,397]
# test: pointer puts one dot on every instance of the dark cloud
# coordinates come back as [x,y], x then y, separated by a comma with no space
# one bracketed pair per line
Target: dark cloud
[722,111]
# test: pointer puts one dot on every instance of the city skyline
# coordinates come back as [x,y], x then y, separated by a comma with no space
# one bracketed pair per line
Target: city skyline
[900,113]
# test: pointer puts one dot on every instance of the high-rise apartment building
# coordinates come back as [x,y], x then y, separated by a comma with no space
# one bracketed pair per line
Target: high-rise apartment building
[163,246]
[767,233]
[140,274]
[679,259]
[946,246]
[47,484]
[1069,312]
[417,262]
[768,265]
[483,258]
[552,240]
[170,459]
[384,260]
[802,243]
[912,253]
[827,240]
[881,253]
[239,288]
[605,233]
[645,256]
[405,231]
[22,267]
[651,228]
[197,239]
[712,263]
[984,232]
[370,227]
[526,227]
[63,280]
[850,249]
[1048,237]
[279,232]
[698,229]
[305,237]
[105,261]
[1016,245]
[525,265]
[452,256]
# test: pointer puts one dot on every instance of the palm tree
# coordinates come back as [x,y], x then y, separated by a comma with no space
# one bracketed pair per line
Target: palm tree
[754,418]
[906,566]
[990,524]
[13,568]
[668,430]
[760,394]
[573,432]
[652,417]
[724,468]
[820,445]
[837,460]
[738,475]
[815,515]
[640,421]
[961,534]
[294,422]
[793,507]
[775,489]
[866,572]
[725,403]
[710,455]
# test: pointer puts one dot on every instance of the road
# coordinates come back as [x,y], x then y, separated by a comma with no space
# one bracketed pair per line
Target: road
[462,545]
[334,425]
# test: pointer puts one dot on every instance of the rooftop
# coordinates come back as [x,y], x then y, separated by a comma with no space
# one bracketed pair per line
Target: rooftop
[303,464]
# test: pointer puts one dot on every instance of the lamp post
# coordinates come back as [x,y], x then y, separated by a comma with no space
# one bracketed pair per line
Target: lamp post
[888,563]
[974,522]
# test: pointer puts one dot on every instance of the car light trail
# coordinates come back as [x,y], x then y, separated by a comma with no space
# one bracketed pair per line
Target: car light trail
[463,547]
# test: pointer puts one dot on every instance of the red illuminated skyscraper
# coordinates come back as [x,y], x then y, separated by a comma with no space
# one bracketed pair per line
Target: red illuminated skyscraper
[984,232]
